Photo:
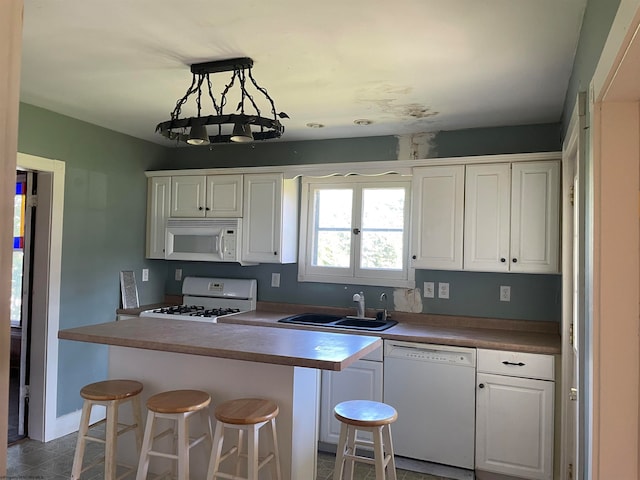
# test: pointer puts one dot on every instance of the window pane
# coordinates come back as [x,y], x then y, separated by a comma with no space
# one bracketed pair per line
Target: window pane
[332,228]
[382,228]
[16,286]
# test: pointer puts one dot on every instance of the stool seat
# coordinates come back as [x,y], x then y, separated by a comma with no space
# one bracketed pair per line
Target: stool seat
[246,411]
[177,406]
[179,401]
[246,416]
[111,390]
[369,416]
[365,413]
[110,394]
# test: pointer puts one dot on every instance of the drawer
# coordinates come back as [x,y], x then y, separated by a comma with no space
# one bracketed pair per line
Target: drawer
[516,364]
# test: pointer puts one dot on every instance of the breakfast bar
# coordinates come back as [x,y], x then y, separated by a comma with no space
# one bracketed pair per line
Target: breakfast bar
[232,361]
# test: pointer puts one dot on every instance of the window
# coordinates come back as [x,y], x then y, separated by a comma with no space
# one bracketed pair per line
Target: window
[18,253]
[355,230]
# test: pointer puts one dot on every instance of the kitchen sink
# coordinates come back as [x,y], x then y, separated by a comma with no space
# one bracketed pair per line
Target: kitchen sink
[336,321]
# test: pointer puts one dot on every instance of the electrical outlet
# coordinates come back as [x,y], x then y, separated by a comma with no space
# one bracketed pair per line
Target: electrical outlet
[505,293]
[178,275]
[443,290]
[145,274]
[275,280]
[429,290]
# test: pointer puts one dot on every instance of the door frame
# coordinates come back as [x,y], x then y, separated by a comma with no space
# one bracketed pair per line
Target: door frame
[571,447]
[613,263]
[47,264]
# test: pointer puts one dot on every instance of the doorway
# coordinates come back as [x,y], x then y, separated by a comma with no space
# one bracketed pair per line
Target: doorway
[20,312]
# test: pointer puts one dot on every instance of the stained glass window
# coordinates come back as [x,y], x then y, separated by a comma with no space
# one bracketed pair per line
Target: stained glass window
[18,252]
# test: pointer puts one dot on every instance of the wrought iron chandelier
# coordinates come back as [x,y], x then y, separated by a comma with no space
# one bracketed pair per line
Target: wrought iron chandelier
[241,126]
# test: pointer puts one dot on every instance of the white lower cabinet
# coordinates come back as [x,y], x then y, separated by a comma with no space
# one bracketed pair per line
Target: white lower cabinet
[514,414]
[360,381]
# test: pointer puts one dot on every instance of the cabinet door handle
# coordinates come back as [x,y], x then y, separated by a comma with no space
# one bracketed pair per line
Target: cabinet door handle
[481,385]
[519,364]
[356,231]
[199,208]
[514,260]
[414,257]
[503,260]
[207,209]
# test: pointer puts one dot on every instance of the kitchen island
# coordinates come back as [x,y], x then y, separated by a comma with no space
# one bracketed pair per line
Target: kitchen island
[231,361]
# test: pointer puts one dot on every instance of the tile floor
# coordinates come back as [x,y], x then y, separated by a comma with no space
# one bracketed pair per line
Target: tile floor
[33,460]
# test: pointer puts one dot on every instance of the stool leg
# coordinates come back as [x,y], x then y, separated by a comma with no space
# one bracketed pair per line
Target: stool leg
[111,441]
[183,448]
[252,452]
[80,443]
[388,443]
[239,449]
[378,453]
[342,445]
[216,451]
[143,464]
[137,419]
[350,463]
[274,443]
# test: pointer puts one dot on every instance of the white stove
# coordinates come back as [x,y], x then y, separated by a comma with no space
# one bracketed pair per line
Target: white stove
[206,299]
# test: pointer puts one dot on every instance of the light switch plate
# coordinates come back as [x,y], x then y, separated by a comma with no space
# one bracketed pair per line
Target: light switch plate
[145,274]
[443,290]
[275,280]
[178,275]
[429,289]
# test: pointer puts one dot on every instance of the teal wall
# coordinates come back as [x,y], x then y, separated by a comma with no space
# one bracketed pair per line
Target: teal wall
[103,231]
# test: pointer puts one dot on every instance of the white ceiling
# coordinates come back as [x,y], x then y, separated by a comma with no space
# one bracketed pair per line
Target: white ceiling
[409,66]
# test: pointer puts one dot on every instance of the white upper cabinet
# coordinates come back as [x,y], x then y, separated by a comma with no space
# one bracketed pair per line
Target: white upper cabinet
[206,196]
[437,217]
[512,217]
[158,204]
[270,223]
[487,203]
[224,196]
[535,217]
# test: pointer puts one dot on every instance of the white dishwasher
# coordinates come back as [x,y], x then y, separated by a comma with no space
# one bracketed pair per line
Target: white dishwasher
[433,389]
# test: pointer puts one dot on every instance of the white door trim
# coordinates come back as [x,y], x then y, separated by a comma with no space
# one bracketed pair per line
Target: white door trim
[44,336]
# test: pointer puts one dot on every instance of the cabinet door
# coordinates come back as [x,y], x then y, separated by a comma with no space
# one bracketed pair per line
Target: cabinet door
[360,381]
[158,205]
[188,196]
[535,222]
[437,217]
[224,196]
[262,218]
[514,426]
[487,217]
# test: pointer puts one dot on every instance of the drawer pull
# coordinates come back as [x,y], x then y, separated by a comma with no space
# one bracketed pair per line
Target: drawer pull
[519,364]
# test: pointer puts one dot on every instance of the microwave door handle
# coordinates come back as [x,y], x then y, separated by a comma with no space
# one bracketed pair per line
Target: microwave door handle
[220,244]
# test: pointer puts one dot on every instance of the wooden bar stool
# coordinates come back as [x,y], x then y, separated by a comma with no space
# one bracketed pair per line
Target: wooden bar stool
[374,417]
[177,406]
[245,415]
[110,394]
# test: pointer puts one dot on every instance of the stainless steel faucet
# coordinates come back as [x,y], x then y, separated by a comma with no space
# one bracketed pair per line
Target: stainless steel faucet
[384,314]
[359,299]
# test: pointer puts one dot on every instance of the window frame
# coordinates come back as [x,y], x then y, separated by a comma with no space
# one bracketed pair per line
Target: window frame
[355,274]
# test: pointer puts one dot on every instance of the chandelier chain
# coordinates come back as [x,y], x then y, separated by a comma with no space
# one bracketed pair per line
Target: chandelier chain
[265,93]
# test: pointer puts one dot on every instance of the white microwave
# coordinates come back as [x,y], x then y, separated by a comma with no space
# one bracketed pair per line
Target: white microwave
[203,239]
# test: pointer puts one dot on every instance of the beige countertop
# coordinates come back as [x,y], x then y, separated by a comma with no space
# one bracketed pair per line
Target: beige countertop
[293,347]
[497,334]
